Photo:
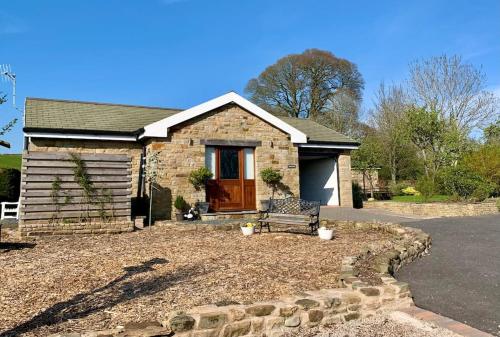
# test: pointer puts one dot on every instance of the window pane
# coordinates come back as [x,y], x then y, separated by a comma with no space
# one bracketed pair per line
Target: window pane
[210,160]
[249,164]
[229,164]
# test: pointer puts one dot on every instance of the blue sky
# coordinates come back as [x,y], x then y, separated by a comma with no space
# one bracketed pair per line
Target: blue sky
[177,53]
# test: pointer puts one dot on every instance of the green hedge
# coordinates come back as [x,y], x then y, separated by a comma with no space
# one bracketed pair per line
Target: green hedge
[357,195]
[464,183]
[10,183]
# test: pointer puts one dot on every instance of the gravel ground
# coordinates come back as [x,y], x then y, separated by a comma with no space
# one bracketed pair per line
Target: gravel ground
[97,282]
[395,324]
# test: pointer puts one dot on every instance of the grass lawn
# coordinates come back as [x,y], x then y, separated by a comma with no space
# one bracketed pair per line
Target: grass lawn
[74,283]
[10,161]
[419,198]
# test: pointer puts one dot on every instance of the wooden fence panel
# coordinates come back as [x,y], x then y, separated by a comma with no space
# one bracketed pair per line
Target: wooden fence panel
[51,194]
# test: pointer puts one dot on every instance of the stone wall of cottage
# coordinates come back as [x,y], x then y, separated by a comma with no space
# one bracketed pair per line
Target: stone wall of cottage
[133,149]
[345,179]
[183,152]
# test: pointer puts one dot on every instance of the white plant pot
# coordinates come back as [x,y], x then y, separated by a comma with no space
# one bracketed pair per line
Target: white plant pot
[248,230]
[325,234]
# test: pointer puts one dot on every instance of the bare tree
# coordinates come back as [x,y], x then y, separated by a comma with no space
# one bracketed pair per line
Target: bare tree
[342,115]
[453,88]
[307,85]
[7,127]
[389,118]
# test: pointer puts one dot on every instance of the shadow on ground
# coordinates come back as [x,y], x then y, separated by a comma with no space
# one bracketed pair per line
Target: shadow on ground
[117,291]
[8,246]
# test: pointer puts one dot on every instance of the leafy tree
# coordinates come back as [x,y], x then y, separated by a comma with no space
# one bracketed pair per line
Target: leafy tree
[367,158]
[491,133]
[439,143]
[312,85]
[426,132]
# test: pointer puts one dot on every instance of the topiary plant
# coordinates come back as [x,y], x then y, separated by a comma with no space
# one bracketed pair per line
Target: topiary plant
[272,178]
[180,203]
[198,178]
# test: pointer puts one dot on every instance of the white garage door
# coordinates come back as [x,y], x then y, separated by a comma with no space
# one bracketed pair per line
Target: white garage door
[319,180]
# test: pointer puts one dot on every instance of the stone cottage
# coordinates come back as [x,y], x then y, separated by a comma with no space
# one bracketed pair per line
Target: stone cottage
[231,136]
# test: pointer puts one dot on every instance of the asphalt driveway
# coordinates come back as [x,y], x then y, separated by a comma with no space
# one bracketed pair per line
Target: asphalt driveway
[461,277]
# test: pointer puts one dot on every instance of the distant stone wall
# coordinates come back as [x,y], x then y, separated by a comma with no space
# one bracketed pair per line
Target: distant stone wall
[358,175]
[355,299]
[436,209]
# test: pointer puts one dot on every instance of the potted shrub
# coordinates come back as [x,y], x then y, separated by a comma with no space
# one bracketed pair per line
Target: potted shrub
[248,228]
[199,178]
[325,232]
[180,206]
[272,178]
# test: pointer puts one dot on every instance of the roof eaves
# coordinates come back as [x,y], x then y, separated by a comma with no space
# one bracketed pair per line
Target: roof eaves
[80,131]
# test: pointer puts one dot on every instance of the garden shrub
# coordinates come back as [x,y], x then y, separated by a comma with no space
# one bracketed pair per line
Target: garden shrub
[425,185]
[396,189]
[485,161]
[410,190]
[10,184]
[464,183]
[482,191]
[357,195]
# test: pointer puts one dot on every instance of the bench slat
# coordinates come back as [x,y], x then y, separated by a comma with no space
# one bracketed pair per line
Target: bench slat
[286,221]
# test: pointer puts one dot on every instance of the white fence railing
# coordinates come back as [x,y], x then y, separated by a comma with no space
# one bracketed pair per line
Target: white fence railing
[10,210]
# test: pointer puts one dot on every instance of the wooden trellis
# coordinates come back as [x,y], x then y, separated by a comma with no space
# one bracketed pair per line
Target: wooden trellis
[111,177]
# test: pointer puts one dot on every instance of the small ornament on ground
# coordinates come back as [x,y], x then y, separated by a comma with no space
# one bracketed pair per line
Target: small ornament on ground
[325,233]
[192,214]
[248,228]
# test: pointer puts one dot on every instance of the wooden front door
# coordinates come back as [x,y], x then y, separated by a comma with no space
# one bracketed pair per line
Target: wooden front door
[233,186]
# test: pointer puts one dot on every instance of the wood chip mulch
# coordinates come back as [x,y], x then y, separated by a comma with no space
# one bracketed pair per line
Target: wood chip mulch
[61,284]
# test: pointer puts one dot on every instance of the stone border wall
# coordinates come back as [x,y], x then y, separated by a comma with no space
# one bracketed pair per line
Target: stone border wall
[352,300]
[436,209]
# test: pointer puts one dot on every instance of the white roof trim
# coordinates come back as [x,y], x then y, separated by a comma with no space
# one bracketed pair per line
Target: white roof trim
[79,136]
[328,146]
[160,128]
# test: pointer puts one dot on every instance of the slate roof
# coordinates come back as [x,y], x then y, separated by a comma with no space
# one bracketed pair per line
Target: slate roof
[51,115]
[62,115]
[318,133]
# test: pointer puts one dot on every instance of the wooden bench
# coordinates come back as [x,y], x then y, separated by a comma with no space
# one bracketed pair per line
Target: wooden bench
[291,211]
